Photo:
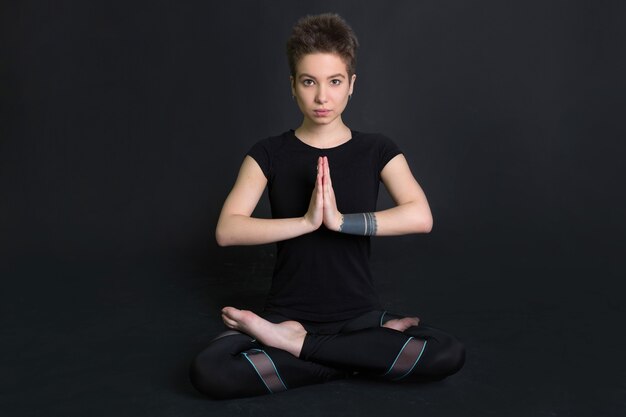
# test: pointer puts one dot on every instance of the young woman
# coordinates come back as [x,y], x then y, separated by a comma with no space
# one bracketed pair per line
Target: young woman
[322,318]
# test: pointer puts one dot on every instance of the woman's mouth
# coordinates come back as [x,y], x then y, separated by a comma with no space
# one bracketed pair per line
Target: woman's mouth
[321,112]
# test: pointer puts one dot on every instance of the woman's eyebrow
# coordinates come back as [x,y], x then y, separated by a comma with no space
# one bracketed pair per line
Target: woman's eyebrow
[303,75]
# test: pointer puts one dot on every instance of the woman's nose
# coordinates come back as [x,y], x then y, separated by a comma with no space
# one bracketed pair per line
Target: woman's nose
[320,97]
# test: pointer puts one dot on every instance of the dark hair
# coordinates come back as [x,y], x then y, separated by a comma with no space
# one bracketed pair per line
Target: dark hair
[326,32]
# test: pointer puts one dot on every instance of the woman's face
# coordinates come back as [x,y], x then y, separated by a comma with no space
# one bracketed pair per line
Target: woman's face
[322,87]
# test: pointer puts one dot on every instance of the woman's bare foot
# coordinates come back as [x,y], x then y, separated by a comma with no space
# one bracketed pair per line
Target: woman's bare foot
[288,335]
[402,324]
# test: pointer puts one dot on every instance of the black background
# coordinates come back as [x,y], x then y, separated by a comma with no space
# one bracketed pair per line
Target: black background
[122,127]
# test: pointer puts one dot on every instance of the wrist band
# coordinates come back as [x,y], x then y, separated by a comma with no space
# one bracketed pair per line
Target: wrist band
[363,224]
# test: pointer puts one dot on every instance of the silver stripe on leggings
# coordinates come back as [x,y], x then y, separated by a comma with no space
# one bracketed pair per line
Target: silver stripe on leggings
[406,360]
[265,368]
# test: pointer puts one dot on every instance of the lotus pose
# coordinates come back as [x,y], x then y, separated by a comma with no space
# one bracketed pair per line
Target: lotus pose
[322,319]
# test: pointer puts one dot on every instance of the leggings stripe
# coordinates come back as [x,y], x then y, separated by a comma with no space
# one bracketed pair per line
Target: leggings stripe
[265,368]
[406,360]
[382,316]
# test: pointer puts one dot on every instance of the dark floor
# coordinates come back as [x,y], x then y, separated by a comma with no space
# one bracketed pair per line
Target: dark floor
[92,338]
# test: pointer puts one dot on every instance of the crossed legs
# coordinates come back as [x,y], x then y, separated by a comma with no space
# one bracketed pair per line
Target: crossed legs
[262,356]
[288,335]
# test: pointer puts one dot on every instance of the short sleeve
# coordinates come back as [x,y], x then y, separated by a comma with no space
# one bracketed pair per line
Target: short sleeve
[261,155]
[387,150]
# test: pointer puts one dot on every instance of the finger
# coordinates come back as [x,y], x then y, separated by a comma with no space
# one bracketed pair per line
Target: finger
[320,179]
[328,184]
[319,185]
[320,169]
[320,191]
[327,172]
[318,175]
[326,166]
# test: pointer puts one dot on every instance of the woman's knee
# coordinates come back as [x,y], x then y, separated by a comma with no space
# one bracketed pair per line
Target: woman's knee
[220,371]
[204,378]
[449,358]
[443,355]
[457,357]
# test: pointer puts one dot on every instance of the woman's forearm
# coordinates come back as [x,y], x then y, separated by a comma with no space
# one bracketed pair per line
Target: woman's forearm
[400,220]
[236,229]
[404,219]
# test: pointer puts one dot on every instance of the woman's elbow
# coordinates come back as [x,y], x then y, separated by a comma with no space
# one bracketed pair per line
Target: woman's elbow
[427,224]
[221,241]
[423,223]
[419,217]
[222,237]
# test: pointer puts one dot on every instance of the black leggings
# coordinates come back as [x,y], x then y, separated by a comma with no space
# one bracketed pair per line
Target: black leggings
[235,365]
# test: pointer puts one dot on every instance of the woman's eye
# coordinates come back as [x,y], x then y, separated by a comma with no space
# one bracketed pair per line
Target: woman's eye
[307,82]
[335,82]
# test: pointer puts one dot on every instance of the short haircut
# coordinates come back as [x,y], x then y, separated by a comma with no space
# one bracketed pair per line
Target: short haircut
[327,33]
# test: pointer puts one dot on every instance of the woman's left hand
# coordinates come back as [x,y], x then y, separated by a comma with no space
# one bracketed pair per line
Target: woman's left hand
[332,216]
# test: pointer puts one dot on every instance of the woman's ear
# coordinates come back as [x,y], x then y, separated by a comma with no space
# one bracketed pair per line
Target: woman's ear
[352,80]
[293,86]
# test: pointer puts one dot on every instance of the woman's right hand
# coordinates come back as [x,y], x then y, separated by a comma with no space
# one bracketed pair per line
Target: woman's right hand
[315,215]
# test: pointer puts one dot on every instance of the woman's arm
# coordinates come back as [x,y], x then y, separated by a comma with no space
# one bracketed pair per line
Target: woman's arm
[410,215]
[236,227]
[412,212]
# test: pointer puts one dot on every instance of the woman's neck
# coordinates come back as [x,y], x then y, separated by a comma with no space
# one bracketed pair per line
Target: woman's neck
[323,136]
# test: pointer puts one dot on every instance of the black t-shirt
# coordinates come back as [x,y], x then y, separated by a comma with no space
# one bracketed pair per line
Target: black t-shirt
[324,275]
